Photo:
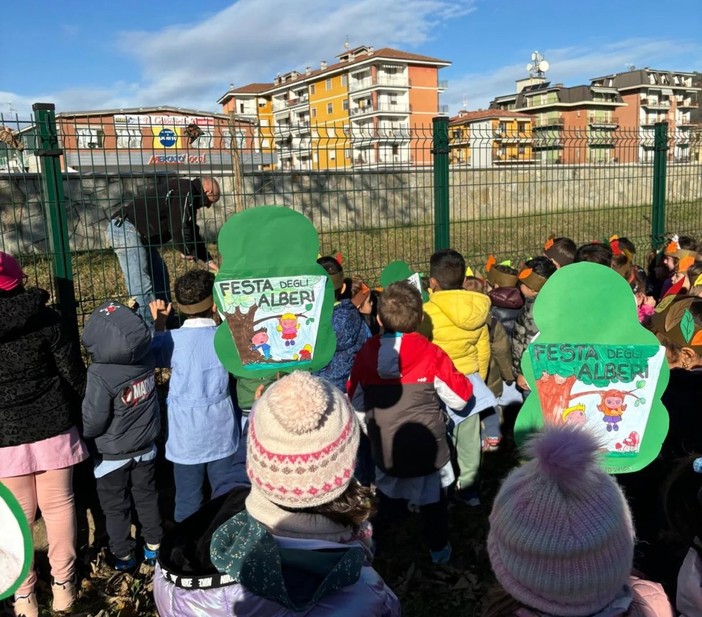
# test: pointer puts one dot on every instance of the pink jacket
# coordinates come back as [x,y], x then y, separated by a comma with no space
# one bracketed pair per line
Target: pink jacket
[689,599]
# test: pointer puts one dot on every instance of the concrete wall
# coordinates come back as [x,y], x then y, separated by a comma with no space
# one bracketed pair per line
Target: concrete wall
[373,199]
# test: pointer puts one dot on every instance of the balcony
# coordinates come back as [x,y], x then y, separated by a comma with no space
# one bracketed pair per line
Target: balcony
[550,122]
[443,110]
[651,120]
[688,104]
[379,81]
[509,136]
[443,85]
[544,143]
[655,103]
[387,135]
[604,122]
[381,108]
[294,102]
[600,140]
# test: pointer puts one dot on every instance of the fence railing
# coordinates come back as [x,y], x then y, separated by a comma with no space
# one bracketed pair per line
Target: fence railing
[375,192]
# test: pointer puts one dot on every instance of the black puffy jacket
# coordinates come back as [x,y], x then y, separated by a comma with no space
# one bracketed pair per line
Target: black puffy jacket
[120,408]
[42,376]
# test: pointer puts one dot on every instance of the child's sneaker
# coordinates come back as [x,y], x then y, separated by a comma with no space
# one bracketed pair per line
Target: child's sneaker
[443,556]
[128,562]
[491,444]
[151,554]
[26,606]
[64,595]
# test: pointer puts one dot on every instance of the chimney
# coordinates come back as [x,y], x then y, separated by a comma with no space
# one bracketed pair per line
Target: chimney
[323,65]
[308,70]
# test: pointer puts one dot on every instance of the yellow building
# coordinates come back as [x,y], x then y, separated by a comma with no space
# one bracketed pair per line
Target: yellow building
[370,108]
[492,137]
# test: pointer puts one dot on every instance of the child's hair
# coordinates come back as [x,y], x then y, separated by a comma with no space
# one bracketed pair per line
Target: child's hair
[506,269]
[693,273]
[336,273]
[627,245]
[687,243]
[351,509]
[681,501]
[638,281]
[594,252]
[448,268]
[621,264]
[400,307]
[473,283]
[357,283]
[562,251]
[193,287]
[542,266]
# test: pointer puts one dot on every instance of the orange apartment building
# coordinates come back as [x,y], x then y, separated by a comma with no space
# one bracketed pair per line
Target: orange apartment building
[371,107]
[490,137]
[609,120]
[155,138]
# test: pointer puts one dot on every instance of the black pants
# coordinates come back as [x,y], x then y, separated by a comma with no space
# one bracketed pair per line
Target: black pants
[133,481]
[434,519]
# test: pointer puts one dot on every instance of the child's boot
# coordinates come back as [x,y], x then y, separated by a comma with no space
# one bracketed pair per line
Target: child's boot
[151,554]
[26,606]
[64,595]
[128,562]
[443,556]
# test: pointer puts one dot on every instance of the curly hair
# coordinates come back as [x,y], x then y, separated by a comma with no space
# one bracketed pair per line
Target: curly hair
[193,287]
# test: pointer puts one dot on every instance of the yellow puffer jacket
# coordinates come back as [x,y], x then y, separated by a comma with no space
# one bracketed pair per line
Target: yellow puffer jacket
[455,321]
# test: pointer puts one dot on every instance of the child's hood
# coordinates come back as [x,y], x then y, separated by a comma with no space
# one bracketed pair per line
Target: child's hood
[467,310]
[294,573]
[17,312]
[114,334]
[506,297]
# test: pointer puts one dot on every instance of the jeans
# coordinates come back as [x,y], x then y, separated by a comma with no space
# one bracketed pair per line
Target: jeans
[134,481]
[223,474]
[145,272]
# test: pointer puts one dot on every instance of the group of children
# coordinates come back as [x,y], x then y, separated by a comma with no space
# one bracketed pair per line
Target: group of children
[408,405]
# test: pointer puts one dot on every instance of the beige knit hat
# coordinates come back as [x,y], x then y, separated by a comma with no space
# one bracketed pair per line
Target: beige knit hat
[303,439]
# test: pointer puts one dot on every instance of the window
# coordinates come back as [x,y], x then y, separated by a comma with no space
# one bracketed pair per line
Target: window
[330,108]
[241,108]
[395,150]
[345,105]
[90,137]
[347,153]
[345,80]
[328,84]
[265,143]
[313,112]
[311,89]
[332,155]
[240,140]
[521,150]
[128,138]
[206,140]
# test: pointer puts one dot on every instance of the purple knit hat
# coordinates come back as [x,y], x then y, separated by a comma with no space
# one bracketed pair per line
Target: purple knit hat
[561,538]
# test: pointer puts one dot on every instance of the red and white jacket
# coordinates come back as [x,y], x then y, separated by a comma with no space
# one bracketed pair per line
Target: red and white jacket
[397,384]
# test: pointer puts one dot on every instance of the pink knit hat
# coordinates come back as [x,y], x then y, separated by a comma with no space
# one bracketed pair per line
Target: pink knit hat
[303,439]
[561,538]
[11,274]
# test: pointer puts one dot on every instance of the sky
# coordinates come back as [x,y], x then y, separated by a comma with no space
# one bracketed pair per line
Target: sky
[185,53]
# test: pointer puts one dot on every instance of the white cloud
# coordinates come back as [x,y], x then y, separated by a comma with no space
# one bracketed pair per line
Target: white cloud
[573,66]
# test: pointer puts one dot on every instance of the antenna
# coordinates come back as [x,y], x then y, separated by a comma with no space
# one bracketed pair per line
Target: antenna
[346,42]
[538,66]
[465,101]
[630,66]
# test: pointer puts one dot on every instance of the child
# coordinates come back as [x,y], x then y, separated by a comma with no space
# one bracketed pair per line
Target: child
[683,509]
[561,251]
[366,301]
[532,278]
[679,254]
[594,252]
[499,372]
[121,415]
[303,544]
[456,321]
[203,431]
[350,328]
[505,299]
[561,538]
[396,383]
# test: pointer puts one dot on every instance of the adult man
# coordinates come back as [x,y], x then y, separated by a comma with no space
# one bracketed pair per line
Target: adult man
[138,228]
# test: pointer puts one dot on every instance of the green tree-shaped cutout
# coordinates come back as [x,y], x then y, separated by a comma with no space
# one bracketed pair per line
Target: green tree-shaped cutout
[261,242]
[583,304]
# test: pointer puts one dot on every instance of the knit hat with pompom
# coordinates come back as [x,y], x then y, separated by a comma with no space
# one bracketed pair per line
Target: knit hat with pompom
[561,538]
[302,444]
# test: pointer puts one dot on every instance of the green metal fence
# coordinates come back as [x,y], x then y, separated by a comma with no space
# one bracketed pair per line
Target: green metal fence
[377,192]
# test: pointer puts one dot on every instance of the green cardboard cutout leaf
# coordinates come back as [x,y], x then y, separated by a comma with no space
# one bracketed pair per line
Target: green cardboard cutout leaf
[275,299]
[16,549]
[400,271]
[593,352]
[687,325]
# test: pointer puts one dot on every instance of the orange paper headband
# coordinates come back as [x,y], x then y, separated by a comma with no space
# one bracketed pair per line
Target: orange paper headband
[532,280]
[361,295]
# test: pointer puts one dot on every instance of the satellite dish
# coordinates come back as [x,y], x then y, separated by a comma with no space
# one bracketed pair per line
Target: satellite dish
[544,66]
[530,67]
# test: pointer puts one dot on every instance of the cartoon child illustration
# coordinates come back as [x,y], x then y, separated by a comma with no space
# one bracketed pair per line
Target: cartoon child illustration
[288,326]
[259,341]
[574,415]
[613,408]
[305,354]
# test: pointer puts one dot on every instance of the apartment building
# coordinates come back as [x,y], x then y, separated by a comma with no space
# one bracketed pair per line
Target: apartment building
[154,138]
[652,96]
[371,107]
[570,125]
[490,137]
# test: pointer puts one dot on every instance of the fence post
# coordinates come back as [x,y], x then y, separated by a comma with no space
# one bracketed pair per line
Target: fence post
[49,155]
[440,154]
[660,161]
